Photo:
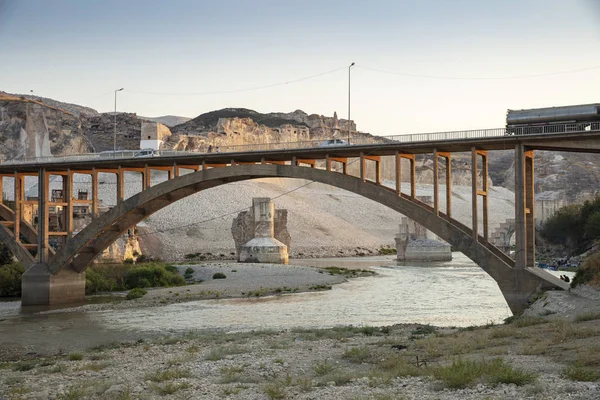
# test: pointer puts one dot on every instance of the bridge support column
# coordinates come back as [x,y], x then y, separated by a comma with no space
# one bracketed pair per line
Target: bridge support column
[40,288]
[524,206]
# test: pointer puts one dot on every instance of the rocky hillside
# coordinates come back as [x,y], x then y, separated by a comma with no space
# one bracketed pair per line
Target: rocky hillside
[29,128]
[209,122]
[74,109]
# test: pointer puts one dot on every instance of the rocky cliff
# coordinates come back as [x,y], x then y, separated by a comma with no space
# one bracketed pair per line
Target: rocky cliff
[29,128]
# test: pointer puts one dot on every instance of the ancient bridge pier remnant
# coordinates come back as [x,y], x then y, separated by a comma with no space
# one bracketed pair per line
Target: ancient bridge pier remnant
[259,226]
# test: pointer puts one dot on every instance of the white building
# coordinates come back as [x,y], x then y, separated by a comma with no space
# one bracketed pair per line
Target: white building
[154,134]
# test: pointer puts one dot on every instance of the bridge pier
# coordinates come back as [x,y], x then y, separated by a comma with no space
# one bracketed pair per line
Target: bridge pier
[519,288]
[39,287]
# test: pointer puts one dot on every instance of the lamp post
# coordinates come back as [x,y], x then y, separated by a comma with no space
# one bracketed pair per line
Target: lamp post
[349,68]
[115,135]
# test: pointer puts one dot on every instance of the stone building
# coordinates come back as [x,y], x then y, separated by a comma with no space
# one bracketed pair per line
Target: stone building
[154,135]
[261,234]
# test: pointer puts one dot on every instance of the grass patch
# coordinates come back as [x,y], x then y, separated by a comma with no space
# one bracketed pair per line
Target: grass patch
[23,366]
[274,391]
[73,393]
[167,375]
[580,373]
[221,352]
[323,368]
[357,355]
[394,367]
[385,251]
[349,273]
[465,373]
[94,366]
[423,330]
[522,321]
[169,387]
[589,316]
[318,287]
[75,356]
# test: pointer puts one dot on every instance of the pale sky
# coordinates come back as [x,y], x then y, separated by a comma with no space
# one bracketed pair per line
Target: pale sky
[449,58]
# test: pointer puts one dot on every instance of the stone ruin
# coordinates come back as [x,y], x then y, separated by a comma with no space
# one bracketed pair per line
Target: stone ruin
[413,244]
[261,234]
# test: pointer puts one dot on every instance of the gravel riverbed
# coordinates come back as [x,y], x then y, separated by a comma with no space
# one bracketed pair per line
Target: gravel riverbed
[551,357]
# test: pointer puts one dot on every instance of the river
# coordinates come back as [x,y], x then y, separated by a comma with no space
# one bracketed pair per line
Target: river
[455,293]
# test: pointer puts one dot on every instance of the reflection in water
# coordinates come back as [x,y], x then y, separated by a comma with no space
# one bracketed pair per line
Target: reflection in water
[456,293]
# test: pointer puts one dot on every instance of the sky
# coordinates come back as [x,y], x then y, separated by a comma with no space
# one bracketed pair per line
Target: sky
[421,66]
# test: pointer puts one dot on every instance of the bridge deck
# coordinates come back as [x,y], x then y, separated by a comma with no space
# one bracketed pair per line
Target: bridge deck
[581,141]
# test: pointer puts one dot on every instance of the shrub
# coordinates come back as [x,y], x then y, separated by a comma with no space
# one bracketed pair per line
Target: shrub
[464,373]
[23,366]
[96,281]
[136,293]
[579,373]
[142,259]
[219,275]
[10,279]
[128,261]
[357,355]
[151,275]
[5,255]
[189,272]
[564,226]
[386,250]
[171,268]
[588,272]
[75,356]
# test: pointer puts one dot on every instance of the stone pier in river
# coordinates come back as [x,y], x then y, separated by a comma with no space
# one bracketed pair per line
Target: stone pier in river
[261,234]
[412,244]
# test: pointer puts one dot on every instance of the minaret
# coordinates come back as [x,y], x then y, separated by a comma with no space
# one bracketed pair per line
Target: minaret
[336,125]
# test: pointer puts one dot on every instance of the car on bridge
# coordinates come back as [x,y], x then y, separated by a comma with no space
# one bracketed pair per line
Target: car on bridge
[147,153]
[334,143]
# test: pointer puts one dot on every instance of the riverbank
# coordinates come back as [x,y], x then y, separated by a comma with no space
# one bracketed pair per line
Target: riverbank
[223,280]
[78,355]
[532,358]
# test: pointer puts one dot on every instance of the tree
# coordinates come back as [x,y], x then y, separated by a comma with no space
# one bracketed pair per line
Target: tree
[564,227]
[5,255]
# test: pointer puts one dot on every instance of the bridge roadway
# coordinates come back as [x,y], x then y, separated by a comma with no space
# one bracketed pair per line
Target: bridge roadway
[577,141]
[57,277]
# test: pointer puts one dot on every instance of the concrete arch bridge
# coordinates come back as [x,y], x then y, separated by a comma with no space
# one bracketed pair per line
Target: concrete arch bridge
[54,277]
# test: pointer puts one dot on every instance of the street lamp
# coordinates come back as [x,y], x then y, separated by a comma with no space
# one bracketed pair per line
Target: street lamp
[351,65]
[115,135]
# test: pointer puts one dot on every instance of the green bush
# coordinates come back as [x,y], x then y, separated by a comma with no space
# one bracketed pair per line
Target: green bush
[10,279]
[128,261]
[96,281]
[136,293]
[189,272]
[151,275]
[171,268]
[588,272]
[219,275]
[564,226]
[5,255]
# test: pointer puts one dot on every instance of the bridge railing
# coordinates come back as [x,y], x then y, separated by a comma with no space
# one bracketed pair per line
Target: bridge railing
[358,139]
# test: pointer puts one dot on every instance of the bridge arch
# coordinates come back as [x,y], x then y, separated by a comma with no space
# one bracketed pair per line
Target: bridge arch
[80,250]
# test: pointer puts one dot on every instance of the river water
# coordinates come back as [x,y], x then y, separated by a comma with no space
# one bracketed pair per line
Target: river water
[455,293]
